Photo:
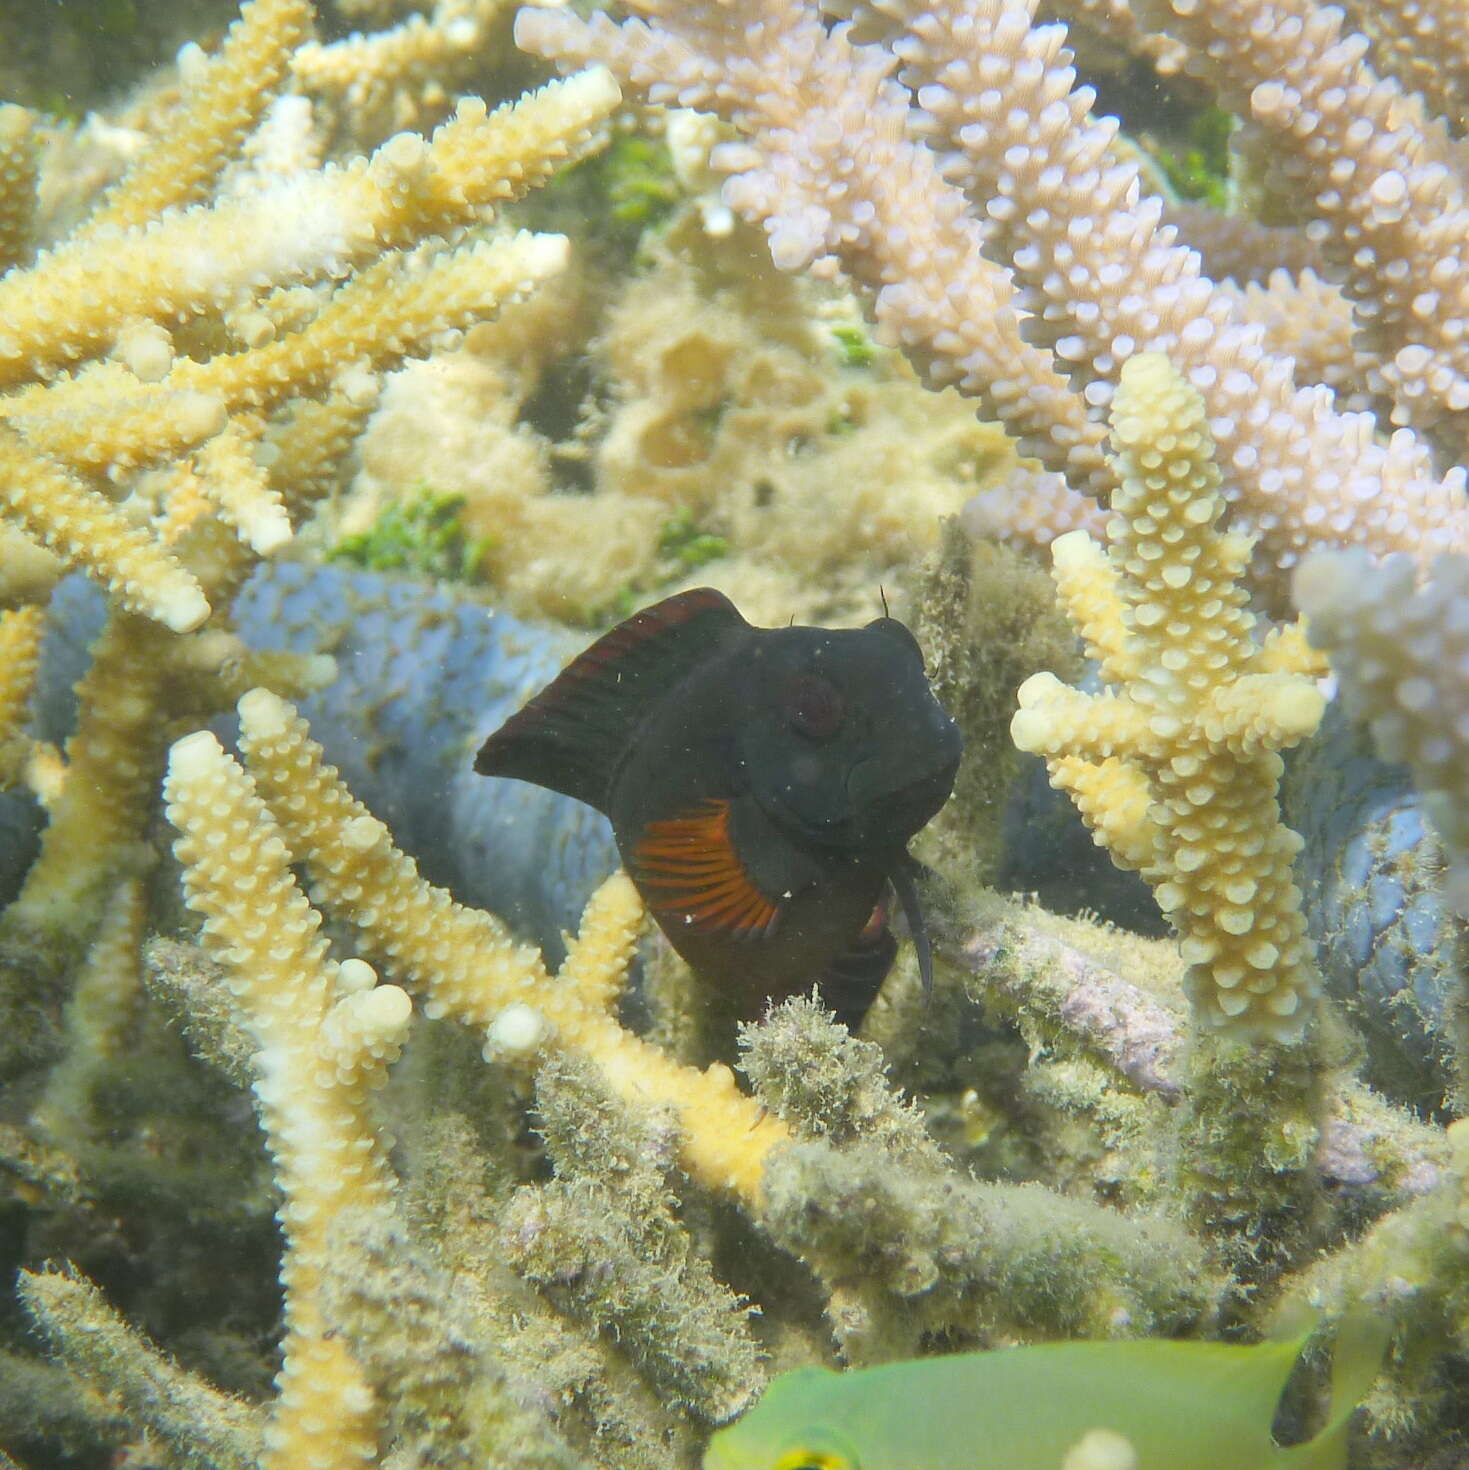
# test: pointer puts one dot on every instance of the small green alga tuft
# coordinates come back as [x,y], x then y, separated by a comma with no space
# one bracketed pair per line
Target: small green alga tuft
[854,346]
[681,539]
[421,534]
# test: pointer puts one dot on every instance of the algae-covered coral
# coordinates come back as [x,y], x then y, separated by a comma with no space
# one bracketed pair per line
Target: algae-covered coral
[492,1212]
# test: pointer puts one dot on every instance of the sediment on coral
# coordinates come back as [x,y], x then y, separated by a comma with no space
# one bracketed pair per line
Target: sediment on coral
[987,621]
[604,1243]
[200,1425]
[908,1250]
[426,1354]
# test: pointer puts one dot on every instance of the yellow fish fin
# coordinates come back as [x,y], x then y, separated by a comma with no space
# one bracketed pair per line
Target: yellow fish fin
[1361,1342]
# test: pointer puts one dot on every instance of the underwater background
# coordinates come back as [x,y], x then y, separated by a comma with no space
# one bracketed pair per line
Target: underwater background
[363,362]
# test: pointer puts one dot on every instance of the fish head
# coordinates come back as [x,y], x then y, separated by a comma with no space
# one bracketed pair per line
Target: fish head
[840,739]
[786,1430]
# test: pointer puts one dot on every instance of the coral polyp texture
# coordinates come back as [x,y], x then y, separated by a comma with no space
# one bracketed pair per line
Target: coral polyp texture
[185,371]
[1403,654]
[350,1112]
[323,1034]
[1175,765]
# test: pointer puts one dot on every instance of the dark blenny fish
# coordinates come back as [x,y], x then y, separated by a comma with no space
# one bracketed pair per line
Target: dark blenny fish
[762,784]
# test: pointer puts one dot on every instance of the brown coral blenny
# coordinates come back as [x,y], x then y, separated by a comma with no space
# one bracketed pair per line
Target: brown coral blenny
[762,785]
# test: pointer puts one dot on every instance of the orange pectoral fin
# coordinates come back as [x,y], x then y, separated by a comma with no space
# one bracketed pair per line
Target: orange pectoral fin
[692,876]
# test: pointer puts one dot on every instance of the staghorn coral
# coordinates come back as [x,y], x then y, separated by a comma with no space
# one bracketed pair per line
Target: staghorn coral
[1057,1063]
[405,76]
[20,652]
[814,109]
[1175,767]
[603,1241]
[204,1427]
[323,1036]
[1094,268]
[1403,655]
[466,967]
[163,455]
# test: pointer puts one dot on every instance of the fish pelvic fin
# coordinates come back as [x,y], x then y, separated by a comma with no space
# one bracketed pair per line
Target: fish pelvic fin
[1361,1343]
[572,736]
[851,981]
[904,877]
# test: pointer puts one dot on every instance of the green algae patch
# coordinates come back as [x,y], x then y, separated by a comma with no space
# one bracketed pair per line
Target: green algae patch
[421,534]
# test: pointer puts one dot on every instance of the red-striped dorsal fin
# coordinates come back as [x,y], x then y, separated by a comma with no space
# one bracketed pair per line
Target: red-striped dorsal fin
[571,736]
[689,870]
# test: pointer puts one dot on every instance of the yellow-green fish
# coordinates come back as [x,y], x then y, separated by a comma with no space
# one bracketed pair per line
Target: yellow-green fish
[1060,1406]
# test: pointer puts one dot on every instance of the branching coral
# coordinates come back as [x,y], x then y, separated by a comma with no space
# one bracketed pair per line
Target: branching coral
[1403,653]
[604,1241]
[201,1426]
[320,1031]
[1096,271]
[1176,766]
[537,1237]
[469,967]
[157,337]
[382,81]
[20,651]
[324,1034]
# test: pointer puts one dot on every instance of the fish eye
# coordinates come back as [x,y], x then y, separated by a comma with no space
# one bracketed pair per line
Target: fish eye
[812,1459]
[814,707]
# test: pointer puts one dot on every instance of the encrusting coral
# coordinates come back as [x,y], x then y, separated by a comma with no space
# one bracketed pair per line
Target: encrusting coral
[490,1215]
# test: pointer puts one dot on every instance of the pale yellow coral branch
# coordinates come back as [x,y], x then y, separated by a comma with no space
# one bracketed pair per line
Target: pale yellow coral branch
[28,572]
[18,169]
[1176,768]
[89,532]
[1285,650]
[386,75]
[97,1016]
[114,757]
[1053,718]
[1086,584]
[1113,799]
[325,1034]
[106,419]
[393,309]
[1260,712]
[74,303]
[20,652]
[224,97]
[465,964]
[390,311]
[235,480]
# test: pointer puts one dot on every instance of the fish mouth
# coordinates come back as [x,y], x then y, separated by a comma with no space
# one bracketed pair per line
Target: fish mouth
[879,816]
[886,815]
